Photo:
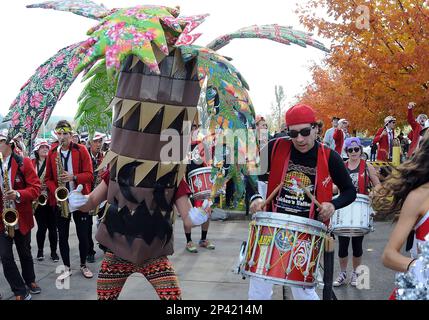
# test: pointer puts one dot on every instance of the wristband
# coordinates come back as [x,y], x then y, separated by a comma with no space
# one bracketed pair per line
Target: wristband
[256,196]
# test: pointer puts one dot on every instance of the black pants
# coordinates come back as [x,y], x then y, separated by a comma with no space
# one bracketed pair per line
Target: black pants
[344,242]
[46,220]
[229,193]
[91,250]
[23,247]
[81,221]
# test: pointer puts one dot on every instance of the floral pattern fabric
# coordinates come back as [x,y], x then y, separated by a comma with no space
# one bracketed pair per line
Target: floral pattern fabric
[274,32]
[133,31]
[84,8]
[40,94]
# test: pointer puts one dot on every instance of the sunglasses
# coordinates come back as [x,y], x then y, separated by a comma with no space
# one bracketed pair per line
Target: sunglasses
[303,132]
[356,149]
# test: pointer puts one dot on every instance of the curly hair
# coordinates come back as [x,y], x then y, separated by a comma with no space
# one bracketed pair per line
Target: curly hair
[389,198]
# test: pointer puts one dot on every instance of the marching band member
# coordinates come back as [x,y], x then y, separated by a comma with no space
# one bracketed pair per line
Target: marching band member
[363,175]
[68,165]
[76,138]
[197,161]
[44,213]
[19,187]
[409,187]
[159,271]
[96,155]
[329,134]
[340,135]
[313,165]
[417,124]
[384,137]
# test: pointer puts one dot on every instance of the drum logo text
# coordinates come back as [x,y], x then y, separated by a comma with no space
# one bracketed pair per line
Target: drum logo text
[265,240]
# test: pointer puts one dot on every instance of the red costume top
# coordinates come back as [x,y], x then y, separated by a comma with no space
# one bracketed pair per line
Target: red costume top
[383,145]
[339,140]
[415,133]
[24,180]
[82,169]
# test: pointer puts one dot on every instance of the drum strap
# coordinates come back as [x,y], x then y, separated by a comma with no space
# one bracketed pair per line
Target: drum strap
[368,184]
[323,182]
[281,147]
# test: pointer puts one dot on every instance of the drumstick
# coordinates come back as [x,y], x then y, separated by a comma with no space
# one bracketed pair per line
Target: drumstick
[308,193]
[273,194]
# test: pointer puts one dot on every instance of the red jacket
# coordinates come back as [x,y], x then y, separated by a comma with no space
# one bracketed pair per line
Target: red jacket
[415,135]
[383,145]
[27,183]
[82,169]
[339,140]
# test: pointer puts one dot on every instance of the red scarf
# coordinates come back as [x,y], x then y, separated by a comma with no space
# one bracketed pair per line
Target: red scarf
[279,165]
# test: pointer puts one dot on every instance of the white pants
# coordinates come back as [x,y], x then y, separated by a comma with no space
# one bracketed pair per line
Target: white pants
[260,289]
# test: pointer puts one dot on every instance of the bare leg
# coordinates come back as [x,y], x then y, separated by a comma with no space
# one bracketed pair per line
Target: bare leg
[343,263]
[356,262]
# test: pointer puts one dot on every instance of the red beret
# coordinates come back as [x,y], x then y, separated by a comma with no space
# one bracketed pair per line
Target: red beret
[300,114]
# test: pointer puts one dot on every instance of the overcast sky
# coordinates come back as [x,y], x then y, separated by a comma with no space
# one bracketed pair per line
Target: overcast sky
[31,36]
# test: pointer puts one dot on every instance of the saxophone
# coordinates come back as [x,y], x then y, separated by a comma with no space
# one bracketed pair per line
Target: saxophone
[42,200]
[61,193]
[10,215]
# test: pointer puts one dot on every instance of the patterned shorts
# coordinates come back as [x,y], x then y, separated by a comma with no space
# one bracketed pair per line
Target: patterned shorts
[115,271]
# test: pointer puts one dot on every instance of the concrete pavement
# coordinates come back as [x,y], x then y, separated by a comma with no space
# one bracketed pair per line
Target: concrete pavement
[205,275]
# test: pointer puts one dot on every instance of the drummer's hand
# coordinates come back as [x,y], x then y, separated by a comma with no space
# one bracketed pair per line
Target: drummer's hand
[326,211]
[256,205]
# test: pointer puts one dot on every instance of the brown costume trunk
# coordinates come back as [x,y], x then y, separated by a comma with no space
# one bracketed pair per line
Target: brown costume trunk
[138,223]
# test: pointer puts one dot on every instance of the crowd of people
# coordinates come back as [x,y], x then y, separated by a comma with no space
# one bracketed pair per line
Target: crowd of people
[332,169]
[303,134]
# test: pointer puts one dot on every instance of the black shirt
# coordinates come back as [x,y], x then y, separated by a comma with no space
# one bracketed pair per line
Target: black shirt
[302,167]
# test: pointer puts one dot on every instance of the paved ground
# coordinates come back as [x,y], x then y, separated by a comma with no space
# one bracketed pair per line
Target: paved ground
[205,275]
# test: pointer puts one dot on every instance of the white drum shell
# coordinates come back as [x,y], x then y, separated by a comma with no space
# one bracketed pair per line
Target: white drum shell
[354,220]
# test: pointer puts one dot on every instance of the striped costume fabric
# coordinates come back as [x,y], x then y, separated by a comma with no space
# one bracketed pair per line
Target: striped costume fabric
[115,271]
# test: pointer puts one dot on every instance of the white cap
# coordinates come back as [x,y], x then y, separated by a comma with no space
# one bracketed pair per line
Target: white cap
[425,127]
[388,119]
[98,136]
[343,120]
[39,143]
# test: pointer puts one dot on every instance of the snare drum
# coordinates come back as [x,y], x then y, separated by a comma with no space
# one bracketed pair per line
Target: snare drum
[354,220]
[200,183]
[284,249]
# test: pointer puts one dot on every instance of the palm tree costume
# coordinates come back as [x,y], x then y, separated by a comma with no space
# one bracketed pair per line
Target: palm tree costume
[144,76]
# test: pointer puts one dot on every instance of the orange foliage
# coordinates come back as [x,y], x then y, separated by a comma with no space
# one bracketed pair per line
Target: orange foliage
[371,72]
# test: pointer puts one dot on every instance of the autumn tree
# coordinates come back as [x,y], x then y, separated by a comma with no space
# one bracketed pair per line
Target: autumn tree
[378,62]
